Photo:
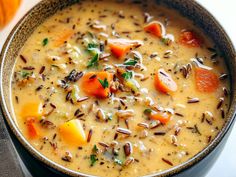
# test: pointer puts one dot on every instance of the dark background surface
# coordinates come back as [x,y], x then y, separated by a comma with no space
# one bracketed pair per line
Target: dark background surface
[10,163]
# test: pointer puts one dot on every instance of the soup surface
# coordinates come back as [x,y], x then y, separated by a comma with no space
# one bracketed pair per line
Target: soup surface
[119,88]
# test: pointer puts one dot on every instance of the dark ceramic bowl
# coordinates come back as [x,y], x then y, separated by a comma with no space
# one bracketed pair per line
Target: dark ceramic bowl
[41,166]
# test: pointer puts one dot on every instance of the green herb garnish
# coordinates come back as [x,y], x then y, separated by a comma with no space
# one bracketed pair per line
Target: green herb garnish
[92,46]
[104,83]
[91,35]
[45,41]
[25,74]
[127,75]
[130,62]
[93,159]
[94,61]
[166,40]
[95,149]
[147,111]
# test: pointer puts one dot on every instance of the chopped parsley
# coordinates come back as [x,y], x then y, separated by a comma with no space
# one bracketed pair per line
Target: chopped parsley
[104,83]
[93,159]
[166,40]
[95,149]
[92,46]
[127,75]
[25,74]
[130,62]
[147,111]
[94,61]
[45,41]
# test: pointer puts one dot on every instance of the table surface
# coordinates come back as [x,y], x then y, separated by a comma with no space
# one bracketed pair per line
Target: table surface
[225,12]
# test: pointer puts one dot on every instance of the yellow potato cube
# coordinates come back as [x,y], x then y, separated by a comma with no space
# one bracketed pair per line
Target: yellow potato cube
[72,132]
[32,109]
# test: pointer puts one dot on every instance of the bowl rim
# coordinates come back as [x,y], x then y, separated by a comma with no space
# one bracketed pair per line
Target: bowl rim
[55,166]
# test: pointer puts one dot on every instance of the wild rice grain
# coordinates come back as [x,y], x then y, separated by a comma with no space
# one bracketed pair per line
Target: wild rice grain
[167,161]
[159,133]
[23,58]
[89,135]
[127,149]
[82,99]
[193,100]
[123,131]
[103,144]
[42,70]
[220,103]
[223,76]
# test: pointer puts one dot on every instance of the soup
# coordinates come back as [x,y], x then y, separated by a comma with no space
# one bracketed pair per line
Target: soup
[119,88]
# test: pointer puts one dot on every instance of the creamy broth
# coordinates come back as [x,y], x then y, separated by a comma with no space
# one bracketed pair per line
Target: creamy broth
[132,125]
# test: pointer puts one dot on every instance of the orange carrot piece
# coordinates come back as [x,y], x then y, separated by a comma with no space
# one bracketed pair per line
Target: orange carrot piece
[91,85]
[120,47]
[190,39]
[206,80]
[32,129]
[154,28]
[163,117]
[120,50]
[63,36]
[164,83]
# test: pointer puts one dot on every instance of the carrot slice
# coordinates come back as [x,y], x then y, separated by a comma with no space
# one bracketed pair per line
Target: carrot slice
[164,83]
[63,36]
[72,132]
[120,47]
[154,28]
[120,50]
[91,83]
[206,80]
[31,127]
[190,39]
[163,117]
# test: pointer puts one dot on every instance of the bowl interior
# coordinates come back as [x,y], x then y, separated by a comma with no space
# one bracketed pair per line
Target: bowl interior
[46,8]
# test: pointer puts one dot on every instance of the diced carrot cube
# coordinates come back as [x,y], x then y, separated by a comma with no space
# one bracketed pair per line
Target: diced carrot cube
[120,47]
[154,28]
[91,85]
[206,80]
[190,39]
[164,82]
[120,50]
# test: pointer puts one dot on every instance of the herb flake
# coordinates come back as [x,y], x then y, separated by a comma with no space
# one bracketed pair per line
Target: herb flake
[45,41]
[104,83]
[94,61]
[130,62]
[127,75]
[147,111]
[93,159]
